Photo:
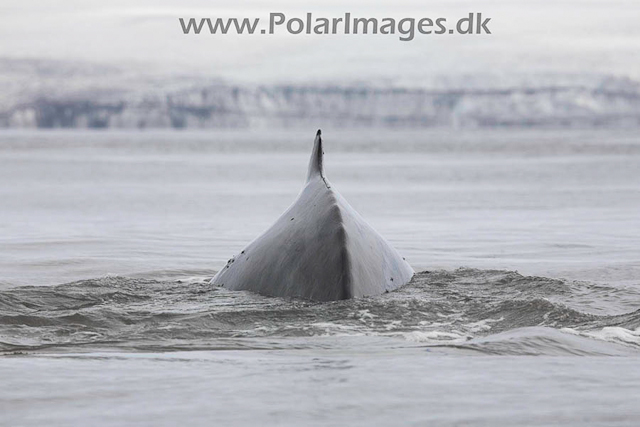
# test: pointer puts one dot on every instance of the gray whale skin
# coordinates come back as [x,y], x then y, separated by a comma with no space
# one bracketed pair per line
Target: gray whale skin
[319,249]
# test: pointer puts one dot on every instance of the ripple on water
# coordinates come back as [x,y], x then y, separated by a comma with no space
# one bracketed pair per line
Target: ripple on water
[481,311]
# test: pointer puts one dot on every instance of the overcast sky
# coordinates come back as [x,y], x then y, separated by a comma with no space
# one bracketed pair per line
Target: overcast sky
[568,36]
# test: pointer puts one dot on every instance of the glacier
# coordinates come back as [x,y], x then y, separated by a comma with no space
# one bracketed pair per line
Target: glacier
[46,94]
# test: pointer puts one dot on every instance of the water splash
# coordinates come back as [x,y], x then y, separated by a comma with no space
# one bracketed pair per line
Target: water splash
[486,311]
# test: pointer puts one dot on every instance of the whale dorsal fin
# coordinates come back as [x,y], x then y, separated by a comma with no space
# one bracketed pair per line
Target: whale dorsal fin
[315,164]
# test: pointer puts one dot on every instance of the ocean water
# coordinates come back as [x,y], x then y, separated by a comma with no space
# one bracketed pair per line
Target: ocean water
[525,309]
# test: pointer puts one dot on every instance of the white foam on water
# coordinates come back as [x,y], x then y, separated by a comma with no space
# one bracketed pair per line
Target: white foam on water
[614,334]
[617,334]
[482,325]
[366,314]
[434,337]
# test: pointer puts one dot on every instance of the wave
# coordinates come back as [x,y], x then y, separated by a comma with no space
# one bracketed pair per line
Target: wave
[539,341]
[468,310]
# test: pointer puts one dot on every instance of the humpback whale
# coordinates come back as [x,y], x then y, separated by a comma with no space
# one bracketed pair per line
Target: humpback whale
[319,249]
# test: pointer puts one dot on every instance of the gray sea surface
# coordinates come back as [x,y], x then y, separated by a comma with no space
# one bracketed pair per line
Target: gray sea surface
[525,309]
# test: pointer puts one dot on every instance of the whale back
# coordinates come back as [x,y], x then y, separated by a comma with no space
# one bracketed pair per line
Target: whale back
[320,249]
